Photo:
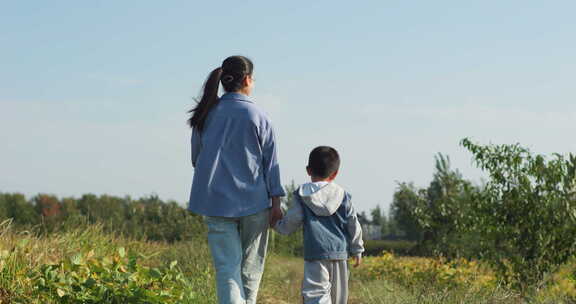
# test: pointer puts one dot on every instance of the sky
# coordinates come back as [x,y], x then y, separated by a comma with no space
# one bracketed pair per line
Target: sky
[94,94]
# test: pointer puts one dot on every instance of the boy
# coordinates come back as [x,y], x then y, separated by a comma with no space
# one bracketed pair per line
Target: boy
[331,230]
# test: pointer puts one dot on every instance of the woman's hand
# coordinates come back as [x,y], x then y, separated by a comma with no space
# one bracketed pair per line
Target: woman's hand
[275,212]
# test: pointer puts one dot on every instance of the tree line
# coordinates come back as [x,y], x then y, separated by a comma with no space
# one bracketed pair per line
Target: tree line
[147,218]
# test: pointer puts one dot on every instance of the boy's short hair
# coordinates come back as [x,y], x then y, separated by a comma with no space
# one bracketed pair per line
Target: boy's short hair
[323,161]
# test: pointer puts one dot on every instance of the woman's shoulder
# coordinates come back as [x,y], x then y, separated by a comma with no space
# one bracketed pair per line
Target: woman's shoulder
[239,105]
[253,111]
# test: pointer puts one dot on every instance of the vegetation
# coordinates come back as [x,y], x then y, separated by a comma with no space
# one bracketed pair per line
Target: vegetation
[90,266]
[147,218]
[509,240]
[520,222]
[526,214]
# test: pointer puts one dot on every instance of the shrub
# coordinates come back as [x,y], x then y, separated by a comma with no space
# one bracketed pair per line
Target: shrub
[115,279]
[525,216]
[413,272]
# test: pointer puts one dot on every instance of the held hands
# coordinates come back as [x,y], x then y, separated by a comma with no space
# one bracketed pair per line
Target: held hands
[275,212]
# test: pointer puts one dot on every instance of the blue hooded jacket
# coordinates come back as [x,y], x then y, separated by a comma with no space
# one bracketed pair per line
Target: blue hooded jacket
[330,224]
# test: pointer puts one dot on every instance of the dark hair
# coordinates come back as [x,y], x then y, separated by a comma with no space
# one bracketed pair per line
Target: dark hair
[323,161]
[232,73]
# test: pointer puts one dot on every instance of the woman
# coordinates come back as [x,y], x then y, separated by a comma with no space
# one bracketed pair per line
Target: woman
[236,183]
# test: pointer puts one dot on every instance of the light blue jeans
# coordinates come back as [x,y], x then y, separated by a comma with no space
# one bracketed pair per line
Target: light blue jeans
[238,246]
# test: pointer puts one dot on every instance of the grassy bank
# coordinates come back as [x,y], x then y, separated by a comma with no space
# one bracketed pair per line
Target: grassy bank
[90,266]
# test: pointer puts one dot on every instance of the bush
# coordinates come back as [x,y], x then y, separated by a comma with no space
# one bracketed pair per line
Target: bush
[87,265]
[413,272]
[525,216]
[115,279]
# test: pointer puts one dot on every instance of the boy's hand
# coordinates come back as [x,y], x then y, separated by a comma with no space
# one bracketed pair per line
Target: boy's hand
[275,212]
[357,260]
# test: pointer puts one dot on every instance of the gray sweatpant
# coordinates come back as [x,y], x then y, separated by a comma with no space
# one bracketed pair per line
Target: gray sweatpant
[325,282]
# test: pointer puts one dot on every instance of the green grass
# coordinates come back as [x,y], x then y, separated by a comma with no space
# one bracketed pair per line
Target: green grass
[26,261]
[281,280]
[283,276]
[386,292]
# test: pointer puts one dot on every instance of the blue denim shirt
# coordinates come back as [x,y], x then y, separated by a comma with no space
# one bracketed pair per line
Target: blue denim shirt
[236,168]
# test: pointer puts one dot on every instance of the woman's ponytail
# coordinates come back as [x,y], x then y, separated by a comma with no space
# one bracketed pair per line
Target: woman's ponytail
[207,102]
[232,73]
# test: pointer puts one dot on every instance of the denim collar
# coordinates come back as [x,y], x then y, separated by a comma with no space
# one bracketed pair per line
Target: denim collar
[236,96]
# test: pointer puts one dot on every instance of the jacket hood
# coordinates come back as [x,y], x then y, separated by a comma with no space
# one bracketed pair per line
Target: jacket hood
[323,201]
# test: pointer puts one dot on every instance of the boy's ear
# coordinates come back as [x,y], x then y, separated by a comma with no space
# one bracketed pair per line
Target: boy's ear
[333,175]
[308,171]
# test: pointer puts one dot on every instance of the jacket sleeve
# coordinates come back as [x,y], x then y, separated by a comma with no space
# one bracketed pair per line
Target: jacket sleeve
[196,145]
[292,220]
[270,160]
[355,231]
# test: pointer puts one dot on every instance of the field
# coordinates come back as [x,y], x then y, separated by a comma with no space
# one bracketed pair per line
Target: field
[90,266]
[105,249]
[388,279]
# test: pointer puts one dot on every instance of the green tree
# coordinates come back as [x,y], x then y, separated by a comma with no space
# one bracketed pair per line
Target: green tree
[526,214]
[392,230]
[377,216]
[436,216]
[20,210]
[404,221]
[385,227]
[363,218]
[448,200]
[71,214]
